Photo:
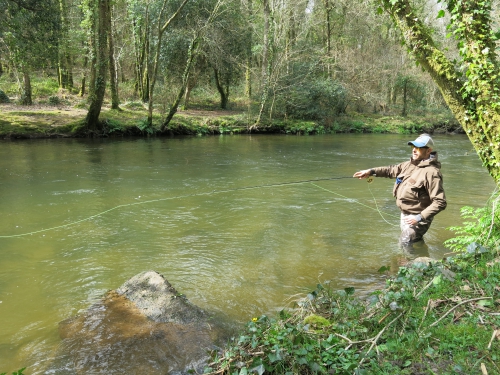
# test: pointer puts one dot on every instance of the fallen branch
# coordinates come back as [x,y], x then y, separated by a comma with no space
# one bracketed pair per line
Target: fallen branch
[429,301]
[425,287]
[454,307]
[375,339]
[495,333]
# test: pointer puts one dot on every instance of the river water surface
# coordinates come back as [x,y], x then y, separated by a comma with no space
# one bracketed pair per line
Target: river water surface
[214,215]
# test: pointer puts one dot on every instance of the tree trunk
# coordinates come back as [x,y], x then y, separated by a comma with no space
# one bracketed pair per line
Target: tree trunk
[404,113]
[265,64]
[185,77]
[84,76]
[92,49]
[64,63]
[248,57]
[224,94]
[187,96]
[328,37]
[140,53]
[26,92]
[146,52]
[265,42]
[97,96]
[113,78]
[161,31]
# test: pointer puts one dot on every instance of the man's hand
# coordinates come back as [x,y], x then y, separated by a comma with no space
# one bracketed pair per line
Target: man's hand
[413,220]
[362,174]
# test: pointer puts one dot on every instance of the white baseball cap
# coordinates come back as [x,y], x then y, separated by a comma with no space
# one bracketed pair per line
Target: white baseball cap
[423,140]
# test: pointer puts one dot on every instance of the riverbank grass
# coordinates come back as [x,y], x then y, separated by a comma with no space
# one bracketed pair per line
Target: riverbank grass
[60,113]
[44,121]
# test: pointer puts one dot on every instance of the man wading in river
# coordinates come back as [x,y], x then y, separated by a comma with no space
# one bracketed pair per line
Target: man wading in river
[418,189]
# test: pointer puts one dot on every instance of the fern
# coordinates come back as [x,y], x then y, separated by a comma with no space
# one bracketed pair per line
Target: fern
[481,228]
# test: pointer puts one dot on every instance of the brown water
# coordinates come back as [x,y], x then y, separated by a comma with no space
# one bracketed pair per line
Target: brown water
[207,213]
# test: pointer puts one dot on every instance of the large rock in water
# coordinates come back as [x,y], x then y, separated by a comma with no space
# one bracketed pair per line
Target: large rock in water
[143,327]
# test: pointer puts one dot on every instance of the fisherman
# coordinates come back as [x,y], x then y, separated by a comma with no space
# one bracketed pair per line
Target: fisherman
[418,188]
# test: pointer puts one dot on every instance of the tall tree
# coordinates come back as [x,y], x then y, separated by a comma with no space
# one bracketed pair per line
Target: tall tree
[113,78]
[266,62]
[249,45]
[139,13]
[225,46]
[162,27]
[470,87]
[30,30]
[100,68]
[201,26]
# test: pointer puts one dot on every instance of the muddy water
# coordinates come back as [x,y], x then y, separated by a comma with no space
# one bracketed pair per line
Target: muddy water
[216,216]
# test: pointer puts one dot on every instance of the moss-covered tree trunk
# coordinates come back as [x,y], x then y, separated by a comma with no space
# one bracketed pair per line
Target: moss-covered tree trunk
[266,66]
[248,52]
[189,88]
[65,61]
[161,31]
[83,82]
[26,92]
[473,97]
[193,46]
[97,94]
[222,89]
[113,78]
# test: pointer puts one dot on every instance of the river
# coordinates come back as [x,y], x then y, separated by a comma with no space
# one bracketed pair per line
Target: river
[233,222]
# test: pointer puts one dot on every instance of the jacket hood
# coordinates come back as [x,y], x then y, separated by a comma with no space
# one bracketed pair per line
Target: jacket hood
[432,161]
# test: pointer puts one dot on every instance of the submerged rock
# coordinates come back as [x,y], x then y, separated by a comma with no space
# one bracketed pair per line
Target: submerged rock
[143,327]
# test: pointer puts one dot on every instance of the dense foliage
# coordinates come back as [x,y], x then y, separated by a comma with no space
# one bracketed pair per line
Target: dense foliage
[276,60]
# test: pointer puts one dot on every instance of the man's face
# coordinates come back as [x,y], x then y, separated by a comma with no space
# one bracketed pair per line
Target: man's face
[420,153]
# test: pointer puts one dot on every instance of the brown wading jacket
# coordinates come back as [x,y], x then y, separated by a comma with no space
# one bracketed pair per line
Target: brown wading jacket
[421,188]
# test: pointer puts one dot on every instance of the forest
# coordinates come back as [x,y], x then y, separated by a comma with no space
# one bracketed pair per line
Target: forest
[295,59]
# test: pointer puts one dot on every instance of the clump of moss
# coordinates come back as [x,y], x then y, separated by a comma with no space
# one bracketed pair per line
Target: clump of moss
[316,321]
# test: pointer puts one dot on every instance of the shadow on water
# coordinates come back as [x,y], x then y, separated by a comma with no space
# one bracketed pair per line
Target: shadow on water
[115,337]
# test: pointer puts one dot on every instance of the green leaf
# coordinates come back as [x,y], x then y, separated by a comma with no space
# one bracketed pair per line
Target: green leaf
[384,269]
[436,280]
[484,302]
[349,290]
[440,14]
[274,357]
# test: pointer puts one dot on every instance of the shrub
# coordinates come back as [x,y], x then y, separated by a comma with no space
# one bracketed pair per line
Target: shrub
[3,97]
[146,127]
[316,99]
[54,100]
